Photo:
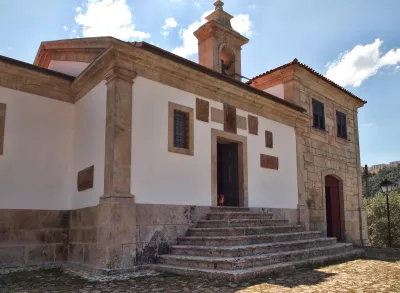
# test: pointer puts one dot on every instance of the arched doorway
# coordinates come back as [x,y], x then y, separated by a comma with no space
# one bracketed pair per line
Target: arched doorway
[333,207]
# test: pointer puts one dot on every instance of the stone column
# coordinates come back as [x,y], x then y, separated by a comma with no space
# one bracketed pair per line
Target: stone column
[116,214]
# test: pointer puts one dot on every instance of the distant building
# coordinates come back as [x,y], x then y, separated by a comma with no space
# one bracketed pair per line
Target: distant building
[376,168]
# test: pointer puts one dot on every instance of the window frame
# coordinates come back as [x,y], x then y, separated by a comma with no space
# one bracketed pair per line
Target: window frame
[172,107]
[318,113]
[341,125]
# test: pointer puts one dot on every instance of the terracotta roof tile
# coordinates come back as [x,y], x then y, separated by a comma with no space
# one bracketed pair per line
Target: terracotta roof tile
[309,69]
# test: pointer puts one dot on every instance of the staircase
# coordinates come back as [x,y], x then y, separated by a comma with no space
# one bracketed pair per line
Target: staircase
[237,244]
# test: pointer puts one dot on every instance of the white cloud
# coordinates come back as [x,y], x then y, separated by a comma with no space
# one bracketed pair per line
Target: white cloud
[65,28]
[240,23]
[358,64]
[108,18]
[169,24]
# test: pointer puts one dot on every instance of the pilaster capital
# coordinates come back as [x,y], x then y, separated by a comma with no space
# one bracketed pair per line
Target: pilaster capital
[119,73]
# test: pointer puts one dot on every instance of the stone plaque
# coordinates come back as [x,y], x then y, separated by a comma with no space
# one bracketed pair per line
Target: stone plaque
[253,124]
[269,162]
[2,126]
[217,115]
[202,110]
[230,119]
[85,178]
[269,140]
[241,122]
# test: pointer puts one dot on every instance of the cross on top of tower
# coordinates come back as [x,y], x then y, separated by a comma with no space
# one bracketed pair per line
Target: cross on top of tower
[218,5]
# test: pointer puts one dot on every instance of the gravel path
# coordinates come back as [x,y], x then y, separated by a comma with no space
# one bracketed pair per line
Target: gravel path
[355,276]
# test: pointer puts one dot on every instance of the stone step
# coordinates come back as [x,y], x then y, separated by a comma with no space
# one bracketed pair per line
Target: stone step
[248,250]
[247,239]
[236,263]
[238,215]
[229,209]
[258,272]
[239,223]
[241,231]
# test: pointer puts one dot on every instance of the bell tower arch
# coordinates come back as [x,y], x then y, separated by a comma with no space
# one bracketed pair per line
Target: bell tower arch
[219,44]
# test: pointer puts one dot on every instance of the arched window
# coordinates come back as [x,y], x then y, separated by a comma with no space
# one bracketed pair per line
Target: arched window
[227,62]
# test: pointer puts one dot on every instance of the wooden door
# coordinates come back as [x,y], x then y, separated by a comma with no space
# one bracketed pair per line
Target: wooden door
[228,175]
[333,207]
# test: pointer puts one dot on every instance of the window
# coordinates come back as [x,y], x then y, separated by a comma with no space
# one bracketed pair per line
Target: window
[180,129]
[318,114]
[341,125]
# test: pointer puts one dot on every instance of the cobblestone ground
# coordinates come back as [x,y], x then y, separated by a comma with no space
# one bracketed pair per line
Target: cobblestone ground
[355,276]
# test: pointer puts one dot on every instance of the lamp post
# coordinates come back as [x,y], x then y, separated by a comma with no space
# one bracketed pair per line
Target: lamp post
[388,186]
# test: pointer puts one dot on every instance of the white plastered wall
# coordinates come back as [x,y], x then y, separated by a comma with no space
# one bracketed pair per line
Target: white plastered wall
[35,169]
[68,67]
[277,90]
[162,177]
[89,144]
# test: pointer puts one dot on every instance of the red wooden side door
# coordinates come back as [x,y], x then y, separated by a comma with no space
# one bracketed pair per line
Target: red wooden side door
[333,208]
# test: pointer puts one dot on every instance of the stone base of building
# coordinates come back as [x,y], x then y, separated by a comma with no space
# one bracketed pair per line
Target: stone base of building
[116,236]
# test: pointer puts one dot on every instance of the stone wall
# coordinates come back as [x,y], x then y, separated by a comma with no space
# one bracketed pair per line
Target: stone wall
[322,153]
[159,226]
[33,237]
[382,253]
[83,236]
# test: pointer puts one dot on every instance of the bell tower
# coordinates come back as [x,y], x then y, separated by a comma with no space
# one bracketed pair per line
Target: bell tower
[219,44]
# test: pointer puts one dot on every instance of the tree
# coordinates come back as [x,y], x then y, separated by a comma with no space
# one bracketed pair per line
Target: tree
[392,174]
[377,219]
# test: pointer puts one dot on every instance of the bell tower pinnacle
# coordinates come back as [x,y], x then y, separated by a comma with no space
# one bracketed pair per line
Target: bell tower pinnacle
[219,44]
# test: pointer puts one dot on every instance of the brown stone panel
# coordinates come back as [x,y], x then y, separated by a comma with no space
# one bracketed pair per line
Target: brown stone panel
[85,178]
[269,139]
[230,123]
[2,126]
[269,162]
[241,122]
[253,124]
[217,115]
[202,110]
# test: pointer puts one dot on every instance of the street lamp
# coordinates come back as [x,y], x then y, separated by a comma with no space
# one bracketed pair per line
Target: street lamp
[388,186]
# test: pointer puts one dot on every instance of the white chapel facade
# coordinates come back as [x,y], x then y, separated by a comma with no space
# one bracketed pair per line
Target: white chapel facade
[98,127]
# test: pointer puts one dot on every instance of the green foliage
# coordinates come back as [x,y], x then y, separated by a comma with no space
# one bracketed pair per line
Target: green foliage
[377,219]
[392,174]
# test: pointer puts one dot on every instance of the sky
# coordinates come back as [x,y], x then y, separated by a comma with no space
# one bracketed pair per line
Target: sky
[355,43]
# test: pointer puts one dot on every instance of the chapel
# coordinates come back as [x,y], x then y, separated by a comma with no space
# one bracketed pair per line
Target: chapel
[118,156]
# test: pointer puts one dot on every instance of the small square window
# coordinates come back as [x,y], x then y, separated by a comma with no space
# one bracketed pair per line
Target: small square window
[318,114]
[341,125]
[180,129]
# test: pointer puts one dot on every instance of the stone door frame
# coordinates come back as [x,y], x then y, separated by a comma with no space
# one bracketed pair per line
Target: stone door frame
[218,136]
[334,174]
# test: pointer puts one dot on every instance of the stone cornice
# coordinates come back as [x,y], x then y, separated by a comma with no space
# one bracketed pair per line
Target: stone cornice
[28,78]
[163,70]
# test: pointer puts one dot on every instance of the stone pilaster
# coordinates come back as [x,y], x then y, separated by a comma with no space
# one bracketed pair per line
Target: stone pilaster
[362,213]
[116,214]
[117,172]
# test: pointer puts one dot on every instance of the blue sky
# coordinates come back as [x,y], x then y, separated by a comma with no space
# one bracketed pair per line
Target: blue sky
[356,43]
